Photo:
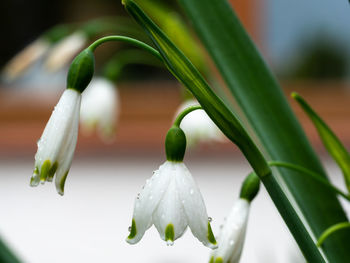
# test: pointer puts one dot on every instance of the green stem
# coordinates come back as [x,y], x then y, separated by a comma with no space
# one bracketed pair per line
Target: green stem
[331,230]
[312,174]
[186,111]
[128,40]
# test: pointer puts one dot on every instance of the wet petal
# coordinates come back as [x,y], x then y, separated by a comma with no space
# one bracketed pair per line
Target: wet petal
[147,201]
[66,157]
[194,207]
[170,214]
[233,233]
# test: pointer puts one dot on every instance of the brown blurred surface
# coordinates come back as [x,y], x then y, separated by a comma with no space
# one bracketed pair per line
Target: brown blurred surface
[146,114]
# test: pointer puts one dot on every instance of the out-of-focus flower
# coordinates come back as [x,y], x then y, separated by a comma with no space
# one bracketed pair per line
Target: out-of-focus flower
[197,125]
[57,144]
[64,50]
[99,108]
[171,201]
[25,58]
[232,234]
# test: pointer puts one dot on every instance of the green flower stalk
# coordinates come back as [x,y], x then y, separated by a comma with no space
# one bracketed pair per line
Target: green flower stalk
[170,199]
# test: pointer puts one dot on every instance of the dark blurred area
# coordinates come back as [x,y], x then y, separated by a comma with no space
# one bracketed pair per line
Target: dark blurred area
[23,21]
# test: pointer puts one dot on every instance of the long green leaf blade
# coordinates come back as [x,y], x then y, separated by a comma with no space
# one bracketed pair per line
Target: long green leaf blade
[188,75]
[273,126]
[333,145]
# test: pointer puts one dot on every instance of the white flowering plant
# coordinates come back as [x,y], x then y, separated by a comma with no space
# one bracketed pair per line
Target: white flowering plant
[275,146]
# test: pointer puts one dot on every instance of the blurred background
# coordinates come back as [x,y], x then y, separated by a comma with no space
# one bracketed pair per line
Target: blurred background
[305,43]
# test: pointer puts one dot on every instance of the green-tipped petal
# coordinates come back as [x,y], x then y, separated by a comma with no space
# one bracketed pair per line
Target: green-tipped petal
[169,233]
[211,237]
[45,169]
[133,230]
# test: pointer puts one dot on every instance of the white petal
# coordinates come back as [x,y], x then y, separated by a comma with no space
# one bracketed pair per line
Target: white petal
[198,126]
[58,129]
[194,207]
[233,233]
[100,107]
[64,50]
[148,200]
[67,154]
[170,213]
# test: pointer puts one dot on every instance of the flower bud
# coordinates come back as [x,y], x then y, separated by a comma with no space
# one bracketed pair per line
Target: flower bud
[175,144]
[81,71]
[250,187]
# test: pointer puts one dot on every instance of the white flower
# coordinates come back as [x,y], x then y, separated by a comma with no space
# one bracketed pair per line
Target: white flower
[25,58]
[57,143]
[197,125]
[64,50]
[99,107]
[232,234]
[171,201]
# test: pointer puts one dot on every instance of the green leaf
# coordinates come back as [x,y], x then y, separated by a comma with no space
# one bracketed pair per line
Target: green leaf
[333,145]
[310,208]
[190,77]
[6,255]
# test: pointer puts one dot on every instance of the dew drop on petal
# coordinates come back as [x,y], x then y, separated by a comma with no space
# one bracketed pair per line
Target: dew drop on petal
[150,197]
[231,242]
[129,228]
[169,243]
[191,191]
[210,219]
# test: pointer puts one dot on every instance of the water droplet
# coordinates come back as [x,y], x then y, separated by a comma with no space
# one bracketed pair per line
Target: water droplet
[210,219]
[191,191]
[129,228]
[231,242]
[169,243]
[150,197]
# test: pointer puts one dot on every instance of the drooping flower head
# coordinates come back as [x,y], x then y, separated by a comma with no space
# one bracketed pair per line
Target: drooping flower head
[64,50]
[232,234]
[197,125]
[171,199]
[99,108]
[25,58]
[57,143]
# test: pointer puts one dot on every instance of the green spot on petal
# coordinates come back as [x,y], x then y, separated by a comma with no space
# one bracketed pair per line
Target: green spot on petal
[35,179]
[211,237]
[52,172]
[133,230]
[45,168]
[169,232]
[219,260]
[62,182]
[211,259]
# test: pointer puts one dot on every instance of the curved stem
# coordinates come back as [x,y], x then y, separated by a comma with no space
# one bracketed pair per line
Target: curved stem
[186,111]
[128,40]
[311,174]
[331,230]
